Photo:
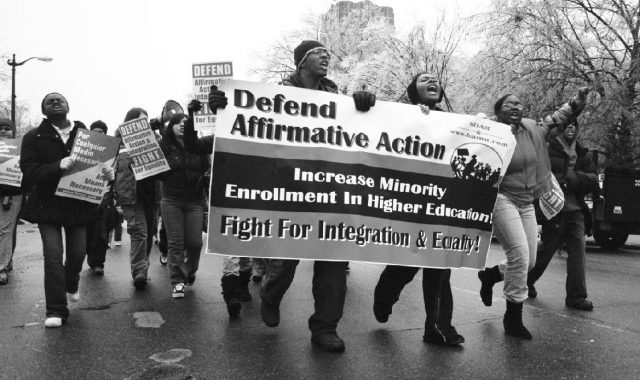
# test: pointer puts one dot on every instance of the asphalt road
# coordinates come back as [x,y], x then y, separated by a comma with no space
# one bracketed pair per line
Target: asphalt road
[115,332]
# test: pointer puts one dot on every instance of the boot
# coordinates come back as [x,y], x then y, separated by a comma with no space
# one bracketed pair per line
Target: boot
[434,332]
[488,277]
[513,321]
[384,297]
[243,290]
[231,294]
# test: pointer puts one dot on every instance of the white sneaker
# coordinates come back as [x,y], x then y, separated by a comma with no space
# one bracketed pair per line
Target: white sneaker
[74,297]
[117,243]
[53,322]
[178,290]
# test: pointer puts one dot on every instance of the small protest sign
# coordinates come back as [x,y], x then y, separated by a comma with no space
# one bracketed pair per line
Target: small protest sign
[10,173]
[94,153]
[143,149]
[204,76]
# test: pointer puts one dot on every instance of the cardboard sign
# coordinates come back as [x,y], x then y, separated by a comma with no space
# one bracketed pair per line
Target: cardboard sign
[143,149]
[93,152]
[204,75]
[10,173]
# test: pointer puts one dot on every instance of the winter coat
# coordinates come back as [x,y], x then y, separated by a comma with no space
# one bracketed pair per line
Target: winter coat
[126,190]
[185,181]
[586,180]
[325,84]
[42,151]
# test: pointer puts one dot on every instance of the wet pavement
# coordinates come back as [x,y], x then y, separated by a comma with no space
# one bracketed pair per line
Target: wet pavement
[115,332]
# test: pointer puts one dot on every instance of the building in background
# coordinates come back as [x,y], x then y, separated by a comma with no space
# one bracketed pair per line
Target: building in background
[344,8]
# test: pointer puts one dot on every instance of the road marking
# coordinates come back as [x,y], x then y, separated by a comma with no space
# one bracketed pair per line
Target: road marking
[148,319]
[172,356]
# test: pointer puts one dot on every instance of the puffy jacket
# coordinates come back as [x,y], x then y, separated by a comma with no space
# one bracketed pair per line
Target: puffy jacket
[42,151]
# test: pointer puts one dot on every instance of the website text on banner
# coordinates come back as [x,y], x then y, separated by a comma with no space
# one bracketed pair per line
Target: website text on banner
[10,173]
[144,152]
[204,76]
[93,152]
[302,174]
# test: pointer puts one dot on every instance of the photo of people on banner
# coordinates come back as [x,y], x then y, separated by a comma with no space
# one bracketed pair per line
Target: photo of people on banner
[301,174]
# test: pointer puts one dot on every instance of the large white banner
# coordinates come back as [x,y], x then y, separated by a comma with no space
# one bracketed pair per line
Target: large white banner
[302,174]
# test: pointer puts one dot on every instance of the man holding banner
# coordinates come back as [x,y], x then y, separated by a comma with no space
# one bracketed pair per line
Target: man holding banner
[329,277]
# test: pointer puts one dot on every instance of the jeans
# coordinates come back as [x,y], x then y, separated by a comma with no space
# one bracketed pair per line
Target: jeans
[141,226]
[568,228]
[61,277]
[516,228]
[435,284]
[97,242]
[234,265]
[8,220]
[183,223]
[329,289]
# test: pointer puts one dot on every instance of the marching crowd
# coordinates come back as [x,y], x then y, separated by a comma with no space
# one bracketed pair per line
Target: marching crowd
[546,149]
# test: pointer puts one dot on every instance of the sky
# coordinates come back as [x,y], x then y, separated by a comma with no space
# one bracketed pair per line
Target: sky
[110,56]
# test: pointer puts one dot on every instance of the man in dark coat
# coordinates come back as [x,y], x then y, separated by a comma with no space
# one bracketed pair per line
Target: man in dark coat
[43,160]
[576,174]
[329,278]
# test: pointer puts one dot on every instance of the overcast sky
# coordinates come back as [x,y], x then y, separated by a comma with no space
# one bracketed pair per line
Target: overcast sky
[110,56]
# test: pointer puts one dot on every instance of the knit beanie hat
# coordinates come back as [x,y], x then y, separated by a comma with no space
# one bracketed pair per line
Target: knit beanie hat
[134,113]
[99,125]
[301,51]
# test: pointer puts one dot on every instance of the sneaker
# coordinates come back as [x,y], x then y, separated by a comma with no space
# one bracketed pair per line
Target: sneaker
[53,322]
[532,292]
[73,297]
[328,341]
[97,271]
[4,279]
[117,243]
[178,290]
[163,259]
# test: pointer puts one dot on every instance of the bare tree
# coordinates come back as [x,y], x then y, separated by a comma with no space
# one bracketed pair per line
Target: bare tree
[543,50]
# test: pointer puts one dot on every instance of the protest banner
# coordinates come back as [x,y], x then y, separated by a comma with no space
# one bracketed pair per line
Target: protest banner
[301,174]
[143,149]
[94,153]
[204,75]
[10,173]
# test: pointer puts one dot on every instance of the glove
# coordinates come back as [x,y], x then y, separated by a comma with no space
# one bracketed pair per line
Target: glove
[194,106]
[217,99]
[364,100]
[580,99]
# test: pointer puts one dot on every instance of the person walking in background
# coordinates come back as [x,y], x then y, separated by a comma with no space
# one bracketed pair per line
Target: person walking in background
[426,90]
[98,230]
[577,177]
[527,177]
[43,160]
[182,204]
[139,204]
[11,203]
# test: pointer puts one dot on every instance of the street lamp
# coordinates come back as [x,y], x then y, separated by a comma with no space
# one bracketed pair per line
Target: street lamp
[13,65]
